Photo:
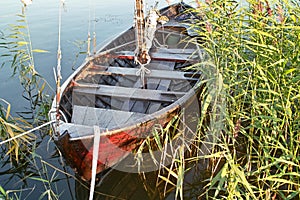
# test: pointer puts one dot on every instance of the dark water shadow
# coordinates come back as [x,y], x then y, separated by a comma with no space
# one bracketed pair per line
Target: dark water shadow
[114,184]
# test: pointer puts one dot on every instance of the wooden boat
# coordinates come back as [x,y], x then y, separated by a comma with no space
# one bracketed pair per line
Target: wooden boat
[108,92]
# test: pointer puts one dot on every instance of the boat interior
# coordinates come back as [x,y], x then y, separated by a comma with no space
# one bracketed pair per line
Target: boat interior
[108,90]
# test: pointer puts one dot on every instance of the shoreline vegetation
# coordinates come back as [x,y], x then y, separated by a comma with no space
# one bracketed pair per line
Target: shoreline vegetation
[250,108]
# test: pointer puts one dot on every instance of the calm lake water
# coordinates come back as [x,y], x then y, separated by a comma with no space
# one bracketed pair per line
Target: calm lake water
[110,17]
[106,18]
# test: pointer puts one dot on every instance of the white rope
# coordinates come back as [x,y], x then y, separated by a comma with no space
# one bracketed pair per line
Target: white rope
[61,3]
[27,132]
[95,160]
[58,68]
[142,72]
[146,38]
[94,43]
[91,4]
[139,25]
[89,45]
[89,32]
[94,28]
[89,24]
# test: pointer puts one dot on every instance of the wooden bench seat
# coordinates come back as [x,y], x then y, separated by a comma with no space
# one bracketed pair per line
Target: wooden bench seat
[166,56]
[158,74]
[104,118]
[77,131]
[175,51]
[127,93]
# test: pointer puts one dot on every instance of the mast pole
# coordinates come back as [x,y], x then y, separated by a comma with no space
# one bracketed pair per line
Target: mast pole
[139,26]
[58,68]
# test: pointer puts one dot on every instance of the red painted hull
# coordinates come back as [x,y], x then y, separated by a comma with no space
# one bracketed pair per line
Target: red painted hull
[112,148]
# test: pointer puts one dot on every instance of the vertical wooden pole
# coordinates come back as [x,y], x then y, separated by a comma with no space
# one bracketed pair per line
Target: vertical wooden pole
[139,25]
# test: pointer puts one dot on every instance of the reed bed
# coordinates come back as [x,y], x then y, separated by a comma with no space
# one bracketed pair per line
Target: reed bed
[248,135]
[254,113]
[20,159]
[249,129]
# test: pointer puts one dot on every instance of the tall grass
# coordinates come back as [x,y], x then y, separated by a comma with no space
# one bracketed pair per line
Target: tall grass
[255,49]
[11,127]
[20,49]
[249,128]
[20,159]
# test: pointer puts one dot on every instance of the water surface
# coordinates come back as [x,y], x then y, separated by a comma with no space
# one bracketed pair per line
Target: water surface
[107,19]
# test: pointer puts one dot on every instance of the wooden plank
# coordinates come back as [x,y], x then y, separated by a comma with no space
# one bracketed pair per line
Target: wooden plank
[128,93]
[77,130]
[129,103]
[153,84]
[161,56]
[173,56]
[158,74]
[176,51]
[104,118]
[162,85]
[87,100]
[87,116]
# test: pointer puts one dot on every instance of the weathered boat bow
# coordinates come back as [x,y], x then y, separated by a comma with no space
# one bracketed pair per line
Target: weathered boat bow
[107,91]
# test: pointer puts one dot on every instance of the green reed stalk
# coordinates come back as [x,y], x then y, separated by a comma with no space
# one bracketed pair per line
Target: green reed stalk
[256,49]
[20,153]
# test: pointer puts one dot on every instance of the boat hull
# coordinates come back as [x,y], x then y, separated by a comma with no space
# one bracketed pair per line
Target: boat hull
[169,92]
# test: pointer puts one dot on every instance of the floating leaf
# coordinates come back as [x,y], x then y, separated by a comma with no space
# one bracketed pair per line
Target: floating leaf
[22,43]
[40,51]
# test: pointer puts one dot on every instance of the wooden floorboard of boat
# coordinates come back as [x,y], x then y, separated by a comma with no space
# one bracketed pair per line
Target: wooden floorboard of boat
[104,118]
[153,84]
[129,103]
[160,85]
[158,74]
[127,93]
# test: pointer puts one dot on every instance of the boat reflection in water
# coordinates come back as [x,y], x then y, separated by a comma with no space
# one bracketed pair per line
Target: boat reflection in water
[121,185]
[116,184]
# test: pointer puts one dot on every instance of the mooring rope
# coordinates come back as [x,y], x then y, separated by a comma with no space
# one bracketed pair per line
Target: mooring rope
[27,132]
[95,160]
[142,72]
[91,4]
[58,67]
[94,43]
[94,28]
[89,32]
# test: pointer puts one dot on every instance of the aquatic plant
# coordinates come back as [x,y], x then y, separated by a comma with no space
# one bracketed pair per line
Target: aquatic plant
[19,54]
[9,128]
[248,132]
[255,47]
[34,84]
[18,149]
[249,125]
